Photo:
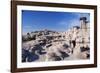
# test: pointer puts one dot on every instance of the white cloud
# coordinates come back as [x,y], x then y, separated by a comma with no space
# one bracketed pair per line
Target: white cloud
[74,22]
[63,23]
[70,23]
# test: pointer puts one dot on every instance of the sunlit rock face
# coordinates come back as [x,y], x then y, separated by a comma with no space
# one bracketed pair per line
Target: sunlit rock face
[48,45]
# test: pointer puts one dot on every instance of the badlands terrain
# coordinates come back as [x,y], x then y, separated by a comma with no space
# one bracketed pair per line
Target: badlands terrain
[49,45]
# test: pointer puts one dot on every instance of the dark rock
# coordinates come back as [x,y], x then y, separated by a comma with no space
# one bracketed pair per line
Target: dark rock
[88,55]
[49,45]
[84,49]
[32,57]
[38,48]
[24,55]
[41,52]
[65,46]
[57,58]
[29,56]
[64,54]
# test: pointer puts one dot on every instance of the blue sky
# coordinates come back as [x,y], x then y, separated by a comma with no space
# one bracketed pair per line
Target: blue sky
[57,21]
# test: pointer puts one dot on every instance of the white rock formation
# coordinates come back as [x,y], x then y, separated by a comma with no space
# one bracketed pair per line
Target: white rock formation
[75,38]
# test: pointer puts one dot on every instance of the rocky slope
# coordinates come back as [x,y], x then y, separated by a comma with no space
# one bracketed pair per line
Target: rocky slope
[47,45]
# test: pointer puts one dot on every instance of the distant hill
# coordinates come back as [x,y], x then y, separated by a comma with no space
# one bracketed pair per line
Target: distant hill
[32,35]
